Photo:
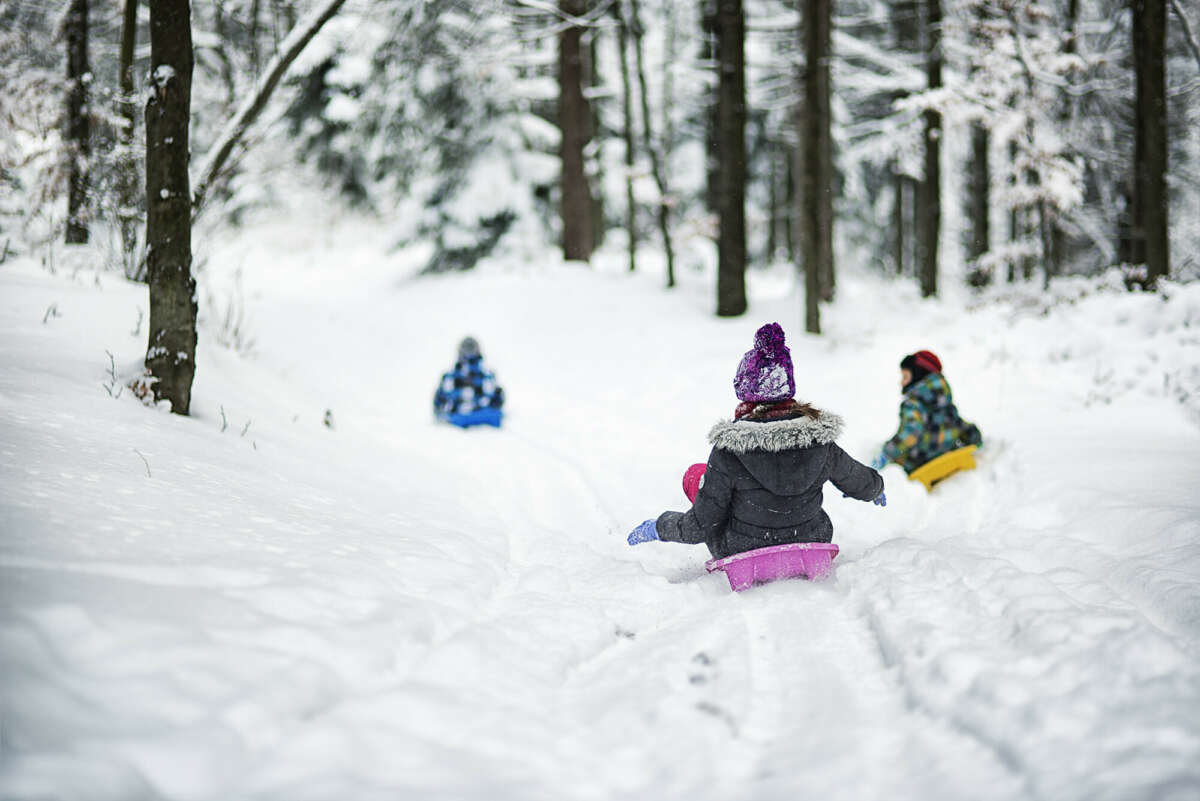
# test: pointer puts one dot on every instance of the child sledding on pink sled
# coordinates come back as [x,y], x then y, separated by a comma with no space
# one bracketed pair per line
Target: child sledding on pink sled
[757,502]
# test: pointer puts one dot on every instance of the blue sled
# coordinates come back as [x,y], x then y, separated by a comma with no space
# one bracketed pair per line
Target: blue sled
[480,417]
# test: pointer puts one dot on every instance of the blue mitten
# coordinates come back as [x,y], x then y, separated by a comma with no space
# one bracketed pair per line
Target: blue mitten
[881,500]
[880,461]
[646,532]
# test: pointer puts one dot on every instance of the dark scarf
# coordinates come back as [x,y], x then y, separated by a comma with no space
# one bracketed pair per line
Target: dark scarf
[789,409]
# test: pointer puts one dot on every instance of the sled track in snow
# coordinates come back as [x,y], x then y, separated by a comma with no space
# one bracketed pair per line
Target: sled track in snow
[580,472]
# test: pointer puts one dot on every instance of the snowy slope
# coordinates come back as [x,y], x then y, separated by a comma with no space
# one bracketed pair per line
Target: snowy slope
[392,608]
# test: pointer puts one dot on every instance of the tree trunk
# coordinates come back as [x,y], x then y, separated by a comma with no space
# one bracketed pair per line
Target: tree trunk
[805,229]
[906,25]
[285,11]
[980,184]
[78,131]
[929,201]
[1058,237]
[274,26]
[1014,233]
[656,161]
[220,50]
[667,140]
[252,37]
[906,29]
[127,168]
[791,223]
[773,192]
[592,80]
[1018,223]
[1152,123]
[572,120]
[1039,210]
[731,137]
[171,352]
[899,220]
[1071,44]
[1134,246]
[1049,265]
[712,141]
[817,145]
[627,133]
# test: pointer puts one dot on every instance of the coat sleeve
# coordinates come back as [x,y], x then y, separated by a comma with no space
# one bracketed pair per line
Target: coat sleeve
[853,477]
[441,398]
[709,514]
[912,422]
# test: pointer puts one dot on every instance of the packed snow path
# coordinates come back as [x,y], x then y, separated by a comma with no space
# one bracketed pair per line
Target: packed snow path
[249,604]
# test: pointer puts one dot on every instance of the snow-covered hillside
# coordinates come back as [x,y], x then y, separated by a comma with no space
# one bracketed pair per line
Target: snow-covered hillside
[252,604]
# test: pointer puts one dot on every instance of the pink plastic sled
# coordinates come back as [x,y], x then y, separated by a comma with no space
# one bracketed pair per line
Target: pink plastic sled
[813,560]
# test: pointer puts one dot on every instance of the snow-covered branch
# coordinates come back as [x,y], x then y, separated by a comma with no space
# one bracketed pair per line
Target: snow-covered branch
[1187,31]
[248,112]
[596,17]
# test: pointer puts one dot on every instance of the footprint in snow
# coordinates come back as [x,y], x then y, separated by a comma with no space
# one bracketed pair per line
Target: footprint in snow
[705,670]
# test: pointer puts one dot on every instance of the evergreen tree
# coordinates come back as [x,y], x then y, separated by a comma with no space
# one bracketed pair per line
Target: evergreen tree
[1020,59]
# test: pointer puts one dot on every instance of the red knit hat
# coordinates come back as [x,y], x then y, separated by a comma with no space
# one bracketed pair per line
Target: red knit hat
[927,359]
[921,364]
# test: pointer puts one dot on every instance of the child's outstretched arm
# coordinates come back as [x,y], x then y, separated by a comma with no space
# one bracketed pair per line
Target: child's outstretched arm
[854,478]
[442,397]
[709,514]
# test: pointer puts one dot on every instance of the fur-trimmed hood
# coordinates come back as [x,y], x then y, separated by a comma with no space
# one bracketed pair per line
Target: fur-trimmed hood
[744,436]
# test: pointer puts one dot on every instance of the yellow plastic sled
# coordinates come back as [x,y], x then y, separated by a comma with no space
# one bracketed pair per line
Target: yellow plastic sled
[944,466]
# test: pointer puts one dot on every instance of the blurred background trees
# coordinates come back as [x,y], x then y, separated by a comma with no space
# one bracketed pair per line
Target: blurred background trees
[943,140]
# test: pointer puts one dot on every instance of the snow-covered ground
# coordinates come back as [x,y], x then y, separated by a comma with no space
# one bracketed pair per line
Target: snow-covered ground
[250,604]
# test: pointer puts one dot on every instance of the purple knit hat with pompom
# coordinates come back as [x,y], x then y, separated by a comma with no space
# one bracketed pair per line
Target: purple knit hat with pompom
[765,373]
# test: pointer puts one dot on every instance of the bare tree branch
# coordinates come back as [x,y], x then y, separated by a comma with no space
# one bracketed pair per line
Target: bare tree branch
[1187,31]
[235,130]
[654,150]
[587,20]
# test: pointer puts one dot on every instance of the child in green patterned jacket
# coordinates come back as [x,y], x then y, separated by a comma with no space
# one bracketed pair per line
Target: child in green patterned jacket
[930,424]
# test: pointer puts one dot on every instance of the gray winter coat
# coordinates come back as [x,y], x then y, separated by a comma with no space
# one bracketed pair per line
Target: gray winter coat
[763,486]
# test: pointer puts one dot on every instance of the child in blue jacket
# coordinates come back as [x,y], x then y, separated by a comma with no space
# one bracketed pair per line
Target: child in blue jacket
[468,394]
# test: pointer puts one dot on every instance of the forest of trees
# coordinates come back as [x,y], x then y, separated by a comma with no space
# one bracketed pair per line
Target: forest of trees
[983,141]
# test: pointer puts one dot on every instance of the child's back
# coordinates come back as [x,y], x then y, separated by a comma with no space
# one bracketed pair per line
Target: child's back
[469,386]
[930,423]
[764,478]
